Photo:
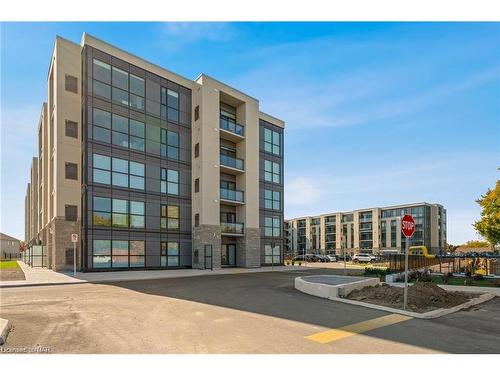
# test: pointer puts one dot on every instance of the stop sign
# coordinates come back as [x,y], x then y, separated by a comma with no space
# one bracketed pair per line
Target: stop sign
[408,226]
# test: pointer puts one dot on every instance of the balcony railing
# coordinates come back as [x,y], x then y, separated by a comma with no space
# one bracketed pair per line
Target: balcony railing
[232,228]
[231,195]
[229,161]
[230,125]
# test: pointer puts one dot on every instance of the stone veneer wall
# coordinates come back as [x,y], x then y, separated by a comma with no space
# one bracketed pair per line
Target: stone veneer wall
[204,235]
[60,240]
[248,249]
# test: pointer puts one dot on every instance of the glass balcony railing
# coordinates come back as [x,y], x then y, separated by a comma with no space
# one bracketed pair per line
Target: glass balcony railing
[229,161]
[230,125]
[231,195]
[232,228]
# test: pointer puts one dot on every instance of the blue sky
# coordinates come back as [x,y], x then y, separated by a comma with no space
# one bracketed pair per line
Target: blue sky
[377,113]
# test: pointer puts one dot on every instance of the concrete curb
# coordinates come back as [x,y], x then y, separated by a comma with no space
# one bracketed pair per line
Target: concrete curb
[428,315]
[331,291]
[5,327]
[46,284]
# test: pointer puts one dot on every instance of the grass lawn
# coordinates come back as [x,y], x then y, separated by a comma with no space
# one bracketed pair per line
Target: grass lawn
[10,270]
[5,264]
[460,281]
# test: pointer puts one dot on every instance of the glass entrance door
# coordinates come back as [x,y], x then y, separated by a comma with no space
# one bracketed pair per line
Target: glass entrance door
[228,255]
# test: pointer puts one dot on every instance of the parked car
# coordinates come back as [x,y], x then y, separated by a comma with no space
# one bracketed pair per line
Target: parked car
[365,258]
[332,258]
[324,258]
[316,258]
[308,258]
[347,257]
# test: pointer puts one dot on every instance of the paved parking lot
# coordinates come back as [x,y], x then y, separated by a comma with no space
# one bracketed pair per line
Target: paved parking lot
[239,313]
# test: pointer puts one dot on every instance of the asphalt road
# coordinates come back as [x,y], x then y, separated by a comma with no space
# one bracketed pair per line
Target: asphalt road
[240,313]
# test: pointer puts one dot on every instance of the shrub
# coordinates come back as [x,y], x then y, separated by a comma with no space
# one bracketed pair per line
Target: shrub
[425,277]
[380,273]
[478,276]
[496,283]
[468,281]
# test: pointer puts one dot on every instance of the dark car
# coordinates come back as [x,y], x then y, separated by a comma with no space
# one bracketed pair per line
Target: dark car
[324,258]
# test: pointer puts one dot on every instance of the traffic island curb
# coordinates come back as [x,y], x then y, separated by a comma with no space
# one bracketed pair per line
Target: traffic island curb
[427,315]
[5,327]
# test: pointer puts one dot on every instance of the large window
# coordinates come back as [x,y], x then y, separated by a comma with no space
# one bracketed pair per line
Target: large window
[102,126]
[119,130]
[170,254]
[102,71]
[101,253]
[102,212]
[272,226]
[169,181]
[119,125]
[272,171]
[136,135]
[118,213]
[169,144]
[118,172]
[393,233]
[383,234]
[272,141]
[272,255]
[169,217]
[272,199]
[136,254]
[119,254]
[137,92]
[118,85]
[102,169]
[169,104]
[136,214]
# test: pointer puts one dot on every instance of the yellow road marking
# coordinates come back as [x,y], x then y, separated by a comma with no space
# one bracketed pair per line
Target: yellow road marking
[353,329]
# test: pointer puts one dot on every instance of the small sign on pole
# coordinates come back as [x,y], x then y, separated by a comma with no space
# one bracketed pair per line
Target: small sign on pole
[74,239]
[407,228]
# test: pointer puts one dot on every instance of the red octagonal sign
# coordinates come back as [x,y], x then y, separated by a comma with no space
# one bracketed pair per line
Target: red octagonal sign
[408,225]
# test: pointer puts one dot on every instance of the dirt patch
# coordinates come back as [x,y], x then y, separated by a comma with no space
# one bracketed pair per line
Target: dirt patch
[422,297]
[11,274]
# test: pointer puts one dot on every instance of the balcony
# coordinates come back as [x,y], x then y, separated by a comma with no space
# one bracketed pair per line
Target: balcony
[232,195]
[230,129]
[231,165]
[232,229]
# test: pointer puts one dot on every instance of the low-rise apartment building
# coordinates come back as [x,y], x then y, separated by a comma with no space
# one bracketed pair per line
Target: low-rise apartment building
[151,169]
[374,230]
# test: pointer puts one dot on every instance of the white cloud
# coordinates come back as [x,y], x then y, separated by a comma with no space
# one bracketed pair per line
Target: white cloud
[179,34]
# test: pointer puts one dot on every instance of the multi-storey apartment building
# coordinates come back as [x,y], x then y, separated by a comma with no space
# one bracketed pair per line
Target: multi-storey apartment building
[368,230]
[152,169]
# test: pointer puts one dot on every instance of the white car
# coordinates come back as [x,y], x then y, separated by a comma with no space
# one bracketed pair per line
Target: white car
[363,258]
[332,258]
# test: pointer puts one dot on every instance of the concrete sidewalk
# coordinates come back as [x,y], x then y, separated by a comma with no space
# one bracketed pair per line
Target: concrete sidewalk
[44,276]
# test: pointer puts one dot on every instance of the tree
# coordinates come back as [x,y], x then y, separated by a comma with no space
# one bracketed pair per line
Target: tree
[489,224]
[477,244]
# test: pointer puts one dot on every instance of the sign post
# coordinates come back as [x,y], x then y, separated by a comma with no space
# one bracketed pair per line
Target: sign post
[74,239]
[407,228]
